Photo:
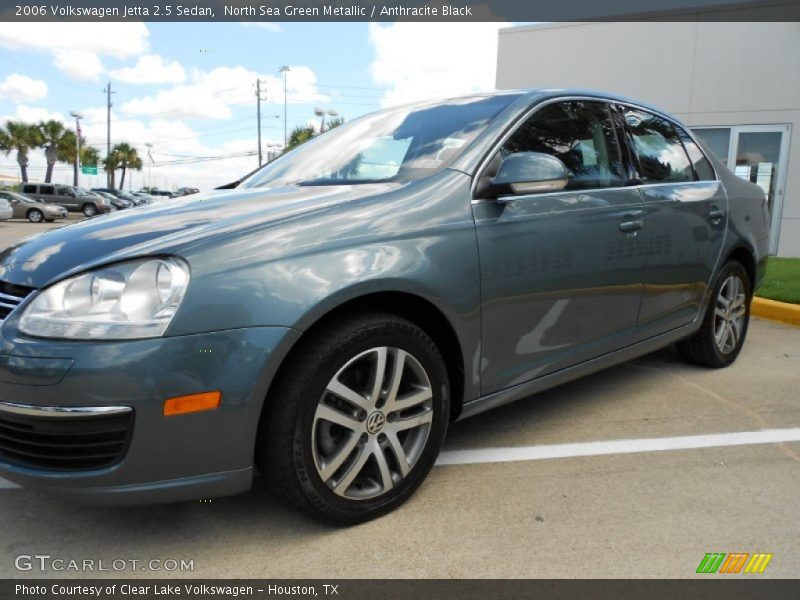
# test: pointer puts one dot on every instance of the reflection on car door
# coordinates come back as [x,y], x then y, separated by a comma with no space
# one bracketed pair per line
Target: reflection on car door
[561,273]
[686,213]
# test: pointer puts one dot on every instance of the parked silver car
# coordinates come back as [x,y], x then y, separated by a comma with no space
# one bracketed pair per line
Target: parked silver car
[25,207]
[5,209]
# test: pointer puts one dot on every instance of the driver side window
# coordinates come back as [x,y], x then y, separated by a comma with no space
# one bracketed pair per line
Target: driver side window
[581,135]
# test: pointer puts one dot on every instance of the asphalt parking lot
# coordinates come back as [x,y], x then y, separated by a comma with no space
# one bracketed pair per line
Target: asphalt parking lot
[590,513]
[16,229]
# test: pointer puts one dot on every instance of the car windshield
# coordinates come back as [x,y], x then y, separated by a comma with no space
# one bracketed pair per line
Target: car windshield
[82,192]
[401,144]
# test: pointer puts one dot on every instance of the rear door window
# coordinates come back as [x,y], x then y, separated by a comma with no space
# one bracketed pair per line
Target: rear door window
[47,190]
[660,153]
[701,165]
[28,189]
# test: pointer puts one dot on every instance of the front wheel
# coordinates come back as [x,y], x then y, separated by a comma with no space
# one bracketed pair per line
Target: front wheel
[721,336]
[35,216]
[89,210]
[356,419]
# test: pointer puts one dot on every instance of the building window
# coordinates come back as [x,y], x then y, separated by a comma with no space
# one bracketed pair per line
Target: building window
[716,139]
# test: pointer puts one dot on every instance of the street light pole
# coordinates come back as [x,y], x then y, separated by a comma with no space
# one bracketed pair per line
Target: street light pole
[321,112]
[258,118]
[77,165]
[284,69]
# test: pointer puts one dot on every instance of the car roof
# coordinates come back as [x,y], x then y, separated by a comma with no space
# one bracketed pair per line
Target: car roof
[530,95]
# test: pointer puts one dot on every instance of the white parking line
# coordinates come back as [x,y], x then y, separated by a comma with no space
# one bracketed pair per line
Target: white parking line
[522,453]
[687,442]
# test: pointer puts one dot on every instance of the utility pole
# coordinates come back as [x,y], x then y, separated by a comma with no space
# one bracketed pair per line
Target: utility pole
[284,69]
[108,93]
[77,166]
[149,167]
[258,118]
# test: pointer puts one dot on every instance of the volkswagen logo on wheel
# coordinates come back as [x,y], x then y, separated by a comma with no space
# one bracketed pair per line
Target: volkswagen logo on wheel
[375,422]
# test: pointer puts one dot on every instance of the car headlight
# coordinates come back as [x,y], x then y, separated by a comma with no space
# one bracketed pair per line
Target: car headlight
[129,300]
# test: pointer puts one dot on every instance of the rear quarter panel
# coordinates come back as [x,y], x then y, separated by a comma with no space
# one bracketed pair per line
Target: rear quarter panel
[748,219]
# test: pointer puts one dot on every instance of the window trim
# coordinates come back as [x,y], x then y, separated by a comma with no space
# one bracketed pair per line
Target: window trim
[611,103]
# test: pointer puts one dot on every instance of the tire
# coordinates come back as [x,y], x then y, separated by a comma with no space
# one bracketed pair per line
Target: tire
[296,438]
[35,215]
[89,210]
[704,347]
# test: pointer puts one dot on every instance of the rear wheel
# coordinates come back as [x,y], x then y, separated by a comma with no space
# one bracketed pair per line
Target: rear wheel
[356,419]
[721,336]
[35,215]
[89,210]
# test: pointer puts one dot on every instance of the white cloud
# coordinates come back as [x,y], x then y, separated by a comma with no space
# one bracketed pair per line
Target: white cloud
[211,93]
[32,114]
[416,61]
[82,65]
[21,88]
[151,68]
[120,40]
[77,47]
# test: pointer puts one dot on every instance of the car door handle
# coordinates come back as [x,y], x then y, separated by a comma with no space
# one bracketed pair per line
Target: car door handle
[716,213]
[633,225]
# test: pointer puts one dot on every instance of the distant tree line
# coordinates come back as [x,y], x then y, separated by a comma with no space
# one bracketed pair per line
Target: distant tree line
[59,145]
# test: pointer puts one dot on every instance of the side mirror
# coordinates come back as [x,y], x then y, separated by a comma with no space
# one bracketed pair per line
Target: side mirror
[531,173]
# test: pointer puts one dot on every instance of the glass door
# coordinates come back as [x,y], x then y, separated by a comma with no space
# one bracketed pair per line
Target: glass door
[758,154]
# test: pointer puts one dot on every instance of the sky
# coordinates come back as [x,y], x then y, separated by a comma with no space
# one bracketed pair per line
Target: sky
[189,88]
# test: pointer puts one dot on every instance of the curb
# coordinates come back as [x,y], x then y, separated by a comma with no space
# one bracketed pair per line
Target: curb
[776,311]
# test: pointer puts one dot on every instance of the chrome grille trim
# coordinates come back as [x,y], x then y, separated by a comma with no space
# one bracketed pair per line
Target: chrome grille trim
[11,296]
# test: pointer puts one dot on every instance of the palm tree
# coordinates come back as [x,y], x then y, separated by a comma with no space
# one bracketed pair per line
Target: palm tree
[299,135]
[128,159]
[89,155]
[53,134]
[335,122]
[110,165]
[66,153]
[22,137]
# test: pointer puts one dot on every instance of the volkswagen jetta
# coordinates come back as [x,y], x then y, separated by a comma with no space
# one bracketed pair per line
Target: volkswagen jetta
[327,319]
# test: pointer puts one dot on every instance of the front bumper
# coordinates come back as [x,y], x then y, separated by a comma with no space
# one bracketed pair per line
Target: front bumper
[167,459]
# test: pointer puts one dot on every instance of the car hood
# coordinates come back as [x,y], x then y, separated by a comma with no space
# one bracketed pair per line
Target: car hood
[164,228]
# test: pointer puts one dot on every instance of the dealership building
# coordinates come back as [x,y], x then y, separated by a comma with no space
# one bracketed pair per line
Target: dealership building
[736,85]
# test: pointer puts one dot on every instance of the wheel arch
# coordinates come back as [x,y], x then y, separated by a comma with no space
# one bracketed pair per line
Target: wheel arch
[745,255]
[413,307]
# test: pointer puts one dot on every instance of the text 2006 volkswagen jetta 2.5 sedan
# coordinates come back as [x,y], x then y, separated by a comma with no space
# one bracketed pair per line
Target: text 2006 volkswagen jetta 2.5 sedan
[327,319]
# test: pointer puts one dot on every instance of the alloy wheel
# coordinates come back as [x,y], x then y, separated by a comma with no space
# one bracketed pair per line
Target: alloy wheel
[729,314]
[372,423]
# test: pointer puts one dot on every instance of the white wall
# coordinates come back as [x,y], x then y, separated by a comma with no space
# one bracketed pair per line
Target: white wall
[704,73]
